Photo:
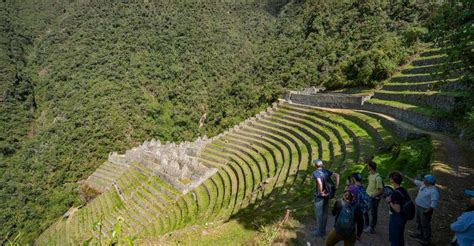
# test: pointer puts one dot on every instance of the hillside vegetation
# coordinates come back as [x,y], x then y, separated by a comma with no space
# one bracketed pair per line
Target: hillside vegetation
[80,80]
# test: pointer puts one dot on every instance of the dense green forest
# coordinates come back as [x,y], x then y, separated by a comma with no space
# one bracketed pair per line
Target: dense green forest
[82,79]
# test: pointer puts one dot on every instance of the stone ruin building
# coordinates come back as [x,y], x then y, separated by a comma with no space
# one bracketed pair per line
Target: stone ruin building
[173,163]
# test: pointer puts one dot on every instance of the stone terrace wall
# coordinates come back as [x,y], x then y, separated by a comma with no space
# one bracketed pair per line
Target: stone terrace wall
[173,163]
[414,118]
[330,100]
[444,102]
[400,131]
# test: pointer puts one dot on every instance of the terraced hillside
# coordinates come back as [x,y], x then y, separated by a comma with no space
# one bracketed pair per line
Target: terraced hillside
[264,156]
[261,160]
[420,95]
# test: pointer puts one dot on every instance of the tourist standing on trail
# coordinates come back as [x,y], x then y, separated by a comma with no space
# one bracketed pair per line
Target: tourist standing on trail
[396,224]
[361,198]
[375,190]
[426,202]
[348,219]
[325,190]
[464,227]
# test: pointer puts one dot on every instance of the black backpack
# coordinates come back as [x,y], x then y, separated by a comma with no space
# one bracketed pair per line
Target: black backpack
[328,185]
[408,207]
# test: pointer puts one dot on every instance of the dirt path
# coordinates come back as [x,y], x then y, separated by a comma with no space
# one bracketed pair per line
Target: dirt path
[380,237]
[452,163]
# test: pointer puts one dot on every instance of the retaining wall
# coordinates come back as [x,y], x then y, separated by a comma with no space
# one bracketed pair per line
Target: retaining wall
[329,100]
[444,102]
[401,132]
[417,119]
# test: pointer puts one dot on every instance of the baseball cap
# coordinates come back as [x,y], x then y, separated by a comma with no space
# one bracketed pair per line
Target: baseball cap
[318,162]
[357,176]
[430,178]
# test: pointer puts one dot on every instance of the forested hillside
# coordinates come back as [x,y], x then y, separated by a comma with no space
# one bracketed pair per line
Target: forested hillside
[80,80]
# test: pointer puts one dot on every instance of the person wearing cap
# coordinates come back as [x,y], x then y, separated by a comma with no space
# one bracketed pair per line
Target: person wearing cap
[321,200]
[375,190]
[426,201]
[463,227]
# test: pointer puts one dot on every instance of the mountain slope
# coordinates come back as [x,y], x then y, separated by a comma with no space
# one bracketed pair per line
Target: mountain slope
[94,78]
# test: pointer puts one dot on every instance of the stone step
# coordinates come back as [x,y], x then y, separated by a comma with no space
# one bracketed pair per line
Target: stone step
[230,190]
[347,136]
[310,139]
[248,175]
[275,150]
[251,163]
[268,126]
[346,125]
[322,139]
[238,184]
[260,155]
[337,144]
[283,146]
[262,151]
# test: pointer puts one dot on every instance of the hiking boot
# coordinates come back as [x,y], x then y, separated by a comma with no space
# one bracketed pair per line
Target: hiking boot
[422,242]
[369,229]
[415,235]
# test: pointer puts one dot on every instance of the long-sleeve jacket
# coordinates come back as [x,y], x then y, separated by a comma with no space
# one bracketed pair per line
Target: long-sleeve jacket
[359,220]
[464,229]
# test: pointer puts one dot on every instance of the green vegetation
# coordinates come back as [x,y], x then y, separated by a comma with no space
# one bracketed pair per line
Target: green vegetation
[81,79]
[453,30]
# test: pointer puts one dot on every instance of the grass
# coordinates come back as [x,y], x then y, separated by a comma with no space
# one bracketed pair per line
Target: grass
[406,106]
[429,93]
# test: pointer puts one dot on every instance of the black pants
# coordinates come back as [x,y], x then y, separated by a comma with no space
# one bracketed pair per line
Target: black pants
[374,209]
[423,224]
[396,230]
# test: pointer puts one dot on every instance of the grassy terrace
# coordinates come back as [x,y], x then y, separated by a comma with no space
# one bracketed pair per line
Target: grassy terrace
[415,108]
[265,165]
[427,93]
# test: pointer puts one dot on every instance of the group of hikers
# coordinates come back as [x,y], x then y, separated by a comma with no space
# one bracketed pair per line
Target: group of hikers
[357,211]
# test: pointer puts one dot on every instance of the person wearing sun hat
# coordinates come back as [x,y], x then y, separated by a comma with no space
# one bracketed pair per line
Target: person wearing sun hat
[426,201]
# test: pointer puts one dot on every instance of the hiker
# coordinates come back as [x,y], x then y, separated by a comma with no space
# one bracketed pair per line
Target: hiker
[352,187]
[348,219]
[426,202]
[361,198]
[463,227]
[325,190]
[375,190]
[396,224]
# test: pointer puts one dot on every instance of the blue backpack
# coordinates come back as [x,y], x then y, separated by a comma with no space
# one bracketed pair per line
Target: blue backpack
[363,199]
[345,223]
